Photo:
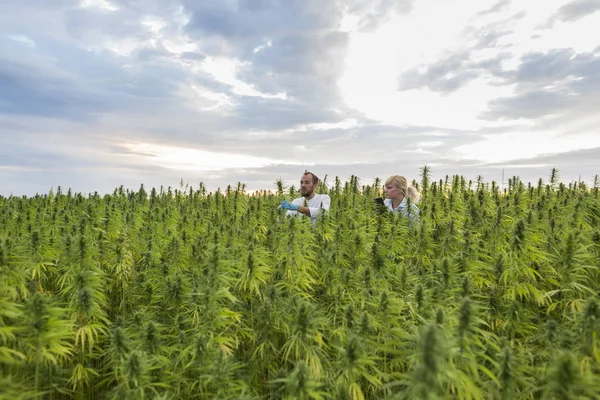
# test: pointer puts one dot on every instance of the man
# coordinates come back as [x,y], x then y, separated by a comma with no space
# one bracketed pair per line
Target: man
[310,203]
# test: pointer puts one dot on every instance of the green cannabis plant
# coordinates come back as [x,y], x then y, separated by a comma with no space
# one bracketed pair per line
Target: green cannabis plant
[183,293]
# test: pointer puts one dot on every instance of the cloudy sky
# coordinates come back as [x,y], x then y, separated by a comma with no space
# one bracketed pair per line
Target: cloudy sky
[95,94]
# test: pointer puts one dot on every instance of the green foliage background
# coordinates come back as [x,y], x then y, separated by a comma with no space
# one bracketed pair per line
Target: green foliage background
[178,294]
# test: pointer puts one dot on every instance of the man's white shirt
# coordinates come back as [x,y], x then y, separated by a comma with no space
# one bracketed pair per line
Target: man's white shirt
[318,202]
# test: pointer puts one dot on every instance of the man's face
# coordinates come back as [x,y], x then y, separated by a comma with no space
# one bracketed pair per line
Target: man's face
[307,187]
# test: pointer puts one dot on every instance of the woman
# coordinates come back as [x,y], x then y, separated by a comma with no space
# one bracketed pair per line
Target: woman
[397,193]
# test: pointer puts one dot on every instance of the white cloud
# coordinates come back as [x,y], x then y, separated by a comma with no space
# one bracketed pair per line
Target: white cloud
[215,100]
[100,4]
[531,34]
[225,70]
[22,39]
[429,144]
[349,23]
[197,160]
[521,145]
[201,98]
[268,43]
[155,25]
[345,124]
[124,47]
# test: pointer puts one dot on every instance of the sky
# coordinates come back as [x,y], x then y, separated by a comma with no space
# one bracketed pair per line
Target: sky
[95,94]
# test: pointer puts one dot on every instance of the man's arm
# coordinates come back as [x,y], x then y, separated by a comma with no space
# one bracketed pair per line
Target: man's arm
[301,209]
[304,210]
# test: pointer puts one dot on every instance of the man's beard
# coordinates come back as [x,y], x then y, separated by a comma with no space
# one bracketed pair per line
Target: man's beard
[306,194]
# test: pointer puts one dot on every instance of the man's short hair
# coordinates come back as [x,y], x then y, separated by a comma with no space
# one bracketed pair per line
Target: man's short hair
[315,178]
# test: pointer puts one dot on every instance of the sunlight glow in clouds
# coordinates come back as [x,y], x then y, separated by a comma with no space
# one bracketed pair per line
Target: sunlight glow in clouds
[197,160]
[515,146]
[376,60]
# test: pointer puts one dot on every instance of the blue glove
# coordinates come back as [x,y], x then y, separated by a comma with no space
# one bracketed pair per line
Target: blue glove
[288,206]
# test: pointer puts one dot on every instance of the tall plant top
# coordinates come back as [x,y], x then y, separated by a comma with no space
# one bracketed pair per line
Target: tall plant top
[191,294]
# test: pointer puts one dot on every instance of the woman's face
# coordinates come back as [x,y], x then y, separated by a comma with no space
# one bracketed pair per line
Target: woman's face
[391,191]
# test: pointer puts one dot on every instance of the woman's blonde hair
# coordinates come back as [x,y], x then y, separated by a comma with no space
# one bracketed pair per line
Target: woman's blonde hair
[402,184]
